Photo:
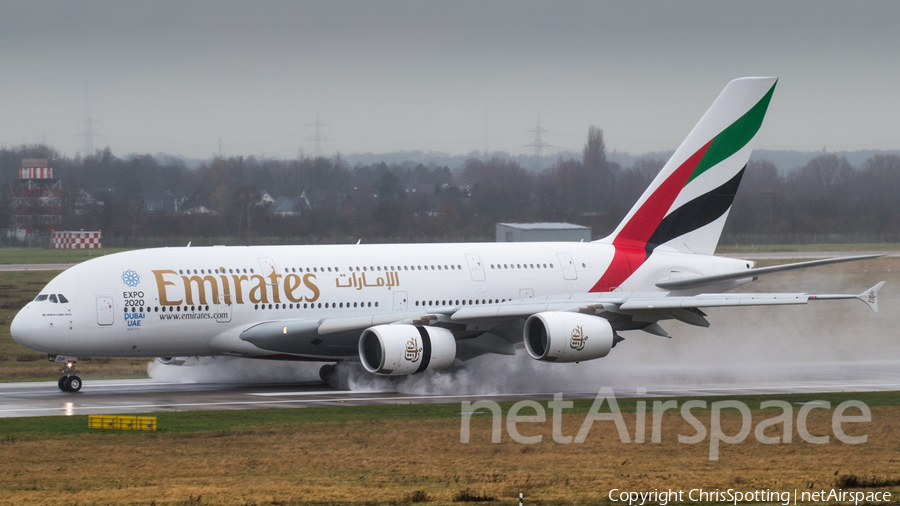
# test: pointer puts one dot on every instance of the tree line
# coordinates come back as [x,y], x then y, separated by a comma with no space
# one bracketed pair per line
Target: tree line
[327,197]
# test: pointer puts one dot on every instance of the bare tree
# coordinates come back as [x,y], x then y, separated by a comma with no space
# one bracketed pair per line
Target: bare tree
[594,155]
[247,209]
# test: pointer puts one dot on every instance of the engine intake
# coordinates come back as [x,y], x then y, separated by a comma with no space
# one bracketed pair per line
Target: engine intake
[567,337]
[399,350]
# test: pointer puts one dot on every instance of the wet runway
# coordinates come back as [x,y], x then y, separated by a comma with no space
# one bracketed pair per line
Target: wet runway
[150,396]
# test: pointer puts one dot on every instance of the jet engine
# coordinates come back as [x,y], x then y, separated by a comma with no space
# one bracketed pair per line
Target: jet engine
[567,337]
[398,350]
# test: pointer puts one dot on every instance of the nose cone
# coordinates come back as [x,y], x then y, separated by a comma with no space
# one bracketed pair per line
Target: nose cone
[24,331]
[20,330]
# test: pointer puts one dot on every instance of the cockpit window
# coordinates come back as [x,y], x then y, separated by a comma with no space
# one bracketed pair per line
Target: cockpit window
[41,298]
[53,298]
[62,299]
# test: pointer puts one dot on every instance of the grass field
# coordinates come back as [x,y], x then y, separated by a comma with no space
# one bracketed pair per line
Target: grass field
[403,454]
[52,256]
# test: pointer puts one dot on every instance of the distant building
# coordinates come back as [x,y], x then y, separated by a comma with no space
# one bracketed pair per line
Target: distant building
[265,198]
[162,202]
[200,209]
[285,207]
[535,232]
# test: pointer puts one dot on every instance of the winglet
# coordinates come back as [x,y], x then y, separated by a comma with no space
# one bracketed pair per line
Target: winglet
[870,296]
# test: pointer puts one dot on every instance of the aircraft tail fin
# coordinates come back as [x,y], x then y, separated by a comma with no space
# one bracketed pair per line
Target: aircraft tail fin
[686,205]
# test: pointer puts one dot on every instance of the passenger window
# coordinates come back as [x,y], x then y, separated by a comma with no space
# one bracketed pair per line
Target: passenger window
[62,299]
[53,298]
[41,298]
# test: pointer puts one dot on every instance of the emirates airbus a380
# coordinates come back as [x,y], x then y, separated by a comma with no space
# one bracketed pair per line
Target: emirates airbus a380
[409,308]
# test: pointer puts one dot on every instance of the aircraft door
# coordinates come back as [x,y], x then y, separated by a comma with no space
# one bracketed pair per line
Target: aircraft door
[475,267]
[267,265]
[568,266]
[526,293]
[105,311]
[400,301]
[223,313]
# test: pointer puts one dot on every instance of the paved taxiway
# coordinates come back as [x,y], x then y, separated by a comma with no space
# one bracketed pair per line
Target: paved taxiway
[150,396]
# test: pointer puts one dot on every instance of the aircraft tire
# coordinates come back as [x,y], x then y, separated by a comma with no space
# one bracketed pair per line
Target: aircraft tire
[74,384]
[326,373]
[62,383]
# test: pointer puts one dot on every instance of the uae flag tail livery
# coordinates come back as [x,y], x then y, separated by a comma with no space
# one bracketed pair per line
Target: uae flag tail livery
[685,207]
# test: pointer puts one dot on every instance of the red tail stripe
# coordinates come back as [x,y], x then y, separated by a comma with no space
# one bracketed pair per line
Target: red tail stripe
[631,242]
[623,265]
[643,223]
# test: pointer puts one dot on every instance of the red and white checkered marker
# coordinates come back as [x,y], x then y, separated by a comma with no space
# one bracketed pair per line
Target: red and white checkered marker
[76,240]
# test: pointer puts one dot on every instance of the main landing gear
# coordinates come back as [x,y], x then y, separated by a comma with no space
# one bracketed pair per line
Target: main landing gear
[70,382]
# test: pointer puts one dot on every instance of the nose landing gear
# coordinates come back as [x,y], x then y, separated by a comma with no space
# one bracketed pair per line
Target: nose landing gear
[70,382]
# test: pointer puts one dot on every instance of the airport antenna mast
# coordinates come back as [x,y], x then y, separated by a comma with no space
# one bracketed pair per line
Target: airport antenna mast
[538,143]
[88,134]
[318,139]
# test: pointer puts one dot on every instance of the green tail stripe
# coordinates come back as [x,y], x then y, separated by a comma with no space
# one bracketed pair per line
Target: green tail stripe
[735,137]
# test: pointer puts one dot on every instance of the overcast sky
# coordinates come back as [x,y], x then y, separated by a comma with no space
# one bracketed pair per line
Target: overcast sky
[175,77]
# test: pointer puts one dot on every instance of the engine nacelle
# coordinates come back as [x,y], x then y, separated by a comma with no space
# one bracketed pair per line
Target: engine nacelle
[398,350]
[567,337]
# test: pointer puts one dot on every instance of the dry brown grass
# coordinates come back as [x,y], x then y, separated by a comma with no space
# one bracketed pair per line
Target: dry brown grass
[387,462]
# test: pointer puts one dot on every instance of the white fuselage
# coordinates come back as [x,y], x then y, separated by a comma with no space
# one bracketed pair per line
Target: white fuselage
[195,301]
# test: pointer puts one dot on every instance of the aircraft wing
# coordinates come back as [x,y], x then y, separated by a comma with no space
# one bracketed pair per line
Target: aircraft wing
[625,311]
[698,281]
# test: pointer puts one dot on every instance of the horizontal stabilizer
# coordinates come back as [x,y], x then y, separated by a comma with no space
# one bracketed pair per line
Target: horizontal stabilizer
[870,297]
[696,282]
